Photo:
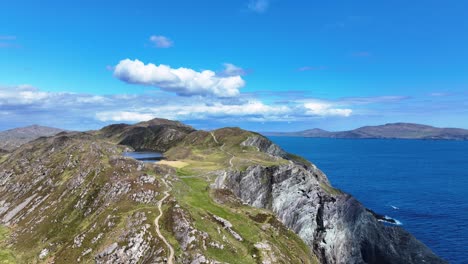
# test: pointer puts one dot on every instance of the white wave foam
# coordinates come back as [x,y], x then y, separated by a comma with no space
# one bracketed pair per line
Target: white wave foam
[389,220]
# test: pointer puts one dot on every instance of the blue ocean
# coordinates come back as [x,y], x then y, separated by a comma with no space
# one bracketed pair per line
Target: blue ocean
[421,183]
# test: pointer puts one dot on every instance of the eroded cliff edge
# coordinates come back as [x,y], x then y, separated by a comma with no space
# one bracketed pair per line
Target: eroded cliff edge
[333,224]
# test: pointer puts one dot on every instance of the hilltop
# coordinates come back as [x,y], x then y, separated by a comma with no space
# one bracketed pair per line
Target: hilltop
[14,138]
[222,196]
[390,131]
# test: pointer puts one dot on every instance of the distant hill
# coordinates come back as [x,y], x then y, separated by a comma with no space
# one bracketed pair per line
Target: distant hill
[13,138]
[393,130]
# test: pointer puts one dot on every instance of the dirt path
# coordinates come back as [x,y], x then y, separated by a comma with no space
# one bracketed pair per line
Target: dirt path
[213,135]
[170,259]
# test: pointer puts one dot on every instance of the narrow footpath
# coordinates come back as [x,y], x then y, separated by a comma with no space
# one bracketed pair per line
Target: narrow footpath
[170,259]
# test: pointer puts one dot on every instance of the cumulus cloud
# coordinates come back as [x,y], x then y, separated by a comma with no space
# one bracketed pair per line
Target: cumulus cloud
[319,108]
[258,6]
[161,41]
[182,81]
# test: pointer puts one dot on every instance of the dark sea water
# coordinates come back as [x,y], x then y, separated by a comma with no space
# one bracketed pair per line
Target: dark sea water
[421,183]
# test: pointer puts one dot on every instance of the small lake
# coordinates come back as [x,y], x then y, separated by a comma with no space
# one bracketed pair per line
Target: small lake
[145,156]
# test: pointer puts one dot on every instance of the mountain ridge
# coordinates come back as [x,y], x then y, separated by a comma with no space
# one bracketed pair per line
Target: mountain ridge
[14,138]
[387,131]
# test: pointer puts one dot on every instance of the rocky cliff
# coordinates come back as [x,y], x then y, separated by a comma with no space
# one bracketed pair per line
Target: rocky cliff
[333,224]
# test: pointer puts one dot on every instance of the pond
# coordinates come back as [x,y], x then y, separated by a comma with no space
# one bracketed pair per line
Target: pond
[145,156]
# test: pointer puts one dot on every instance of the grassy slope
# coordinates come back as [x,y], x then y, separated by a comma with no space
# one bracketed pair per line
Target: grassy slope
[203,156]
[200,157]
[6,255]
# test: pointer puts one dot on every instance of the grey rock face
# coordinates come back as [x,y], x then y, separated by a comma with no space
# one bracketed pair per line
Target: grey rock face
[333,224]
[264,145]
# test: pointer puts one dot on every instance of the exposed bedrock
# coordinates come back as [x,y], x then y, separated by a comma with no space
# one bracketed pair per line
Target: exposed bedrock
[333,224]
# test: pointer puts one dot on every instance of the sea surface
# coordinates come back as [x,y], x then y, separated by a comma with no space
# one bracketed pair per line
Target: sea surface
[421,183]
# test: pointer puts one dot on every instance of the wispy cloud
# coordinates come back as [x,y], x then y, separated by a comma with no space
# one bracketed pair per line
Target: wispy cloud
[259,6]
[8,42]
[182,81]
[373,99]
[161,41]
[89,111]
[19,103]
[439,94]
[232,70]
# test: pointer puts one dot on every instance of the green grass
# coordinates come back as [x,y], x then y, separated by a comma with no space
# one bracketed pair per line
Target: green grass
[4,232]
[3,157]
[299,159]
[194,195]
[330,190]
[199,203]
[6,255]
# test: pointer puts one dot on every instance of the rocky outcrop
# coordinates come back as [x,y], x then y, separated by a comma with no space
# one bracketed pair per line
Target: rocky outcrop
[70,197]
[136,244]
[155,135]
[333,224]
[263,144]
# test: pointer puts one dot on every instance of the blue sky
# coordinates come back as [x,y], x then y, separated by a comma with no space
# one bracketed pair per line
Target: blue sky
[260,64]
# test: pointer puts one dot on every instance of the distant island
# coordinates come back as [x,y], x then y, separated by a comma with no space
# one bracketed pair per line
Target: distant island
[389,131]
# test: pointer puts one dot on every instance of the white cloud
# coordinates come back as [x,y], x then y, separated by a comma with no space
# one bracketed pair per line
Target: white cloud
[120,116]
[198,110]
[258,6]
[319,108]
[161,41]
[232,70]
[21,94]
[26,104]
[92,99]
[182,81]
